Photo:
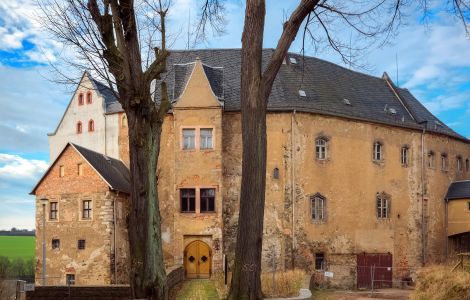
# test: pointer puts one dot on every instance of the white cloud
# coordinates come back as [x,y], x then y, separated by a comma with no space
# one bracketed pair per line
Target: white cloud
[16,167]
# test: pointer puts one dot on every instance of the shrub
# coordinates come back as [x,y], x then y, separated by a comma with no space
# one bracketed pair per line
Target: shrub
[286,284]
[440,283]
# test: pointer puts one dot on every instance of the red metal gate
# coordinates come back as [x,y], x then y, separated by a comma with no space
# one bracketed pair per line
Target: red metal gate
[376,268]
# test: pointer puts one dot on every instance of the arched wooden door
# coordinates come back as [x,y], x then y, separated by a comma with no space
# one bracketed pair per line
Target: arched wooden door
[197,260]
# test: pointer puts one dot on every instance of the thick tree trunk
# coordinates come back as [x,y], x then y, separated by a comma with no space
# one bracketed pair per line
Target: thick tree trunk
[148,277]
[246,282]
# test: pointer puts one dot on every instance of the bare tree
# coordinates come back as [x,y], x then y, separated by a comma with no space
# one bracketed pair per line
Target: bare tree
[124,42]
[321,19]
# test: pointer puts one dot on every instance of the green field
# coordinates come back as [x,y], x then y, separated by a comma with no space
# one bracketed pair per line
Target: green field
[17,247]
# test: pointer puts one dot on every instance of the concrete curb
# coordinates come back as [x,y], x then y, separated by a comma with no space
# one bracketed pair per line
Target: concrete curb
[304,294]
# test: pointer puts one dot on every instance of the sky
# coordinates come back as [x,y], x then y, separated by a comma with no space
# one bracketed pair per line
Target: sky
[433,61]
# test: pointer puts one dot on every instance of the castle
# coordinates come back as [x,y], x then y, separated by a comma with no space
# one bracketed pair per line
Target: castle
[359,174]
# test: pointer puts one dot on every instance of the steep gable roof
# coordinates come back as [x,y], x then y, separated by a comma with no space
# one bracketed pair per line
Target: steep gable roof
[113,171]
[329,89]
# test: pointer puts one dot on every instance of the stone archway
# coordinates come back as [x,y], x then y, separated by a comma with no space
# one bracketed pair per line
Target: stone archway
[197,260]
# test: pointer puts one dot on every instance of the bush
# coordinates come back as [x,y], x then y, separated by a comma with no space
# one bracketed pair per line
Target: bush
[16,268]
[440,283]
[286,284]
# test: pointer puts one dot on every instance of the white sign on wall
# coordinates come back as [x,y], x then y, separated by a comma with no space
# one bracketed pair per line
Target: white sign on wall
[28,287]
[329,274]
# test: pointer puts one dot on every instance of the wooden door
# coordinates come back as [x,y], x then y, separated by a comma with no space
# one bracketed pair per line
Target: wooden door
[197,260]
[376,267]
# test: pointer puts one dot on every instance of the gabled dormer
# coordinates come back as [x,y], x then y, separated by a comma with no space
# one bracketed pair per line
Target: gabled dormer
[86,120]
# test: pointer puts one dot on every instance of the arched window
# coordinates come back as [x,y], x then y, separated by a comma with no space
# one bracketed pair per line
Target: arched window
[378,151]
[124,121]
[444,162]
[318,207]
[91,126]
[383,206]
[79,127]
[431,159]
[405,156]
[80,99]
[89,99]
[276,173]
[321,148]
[459,164]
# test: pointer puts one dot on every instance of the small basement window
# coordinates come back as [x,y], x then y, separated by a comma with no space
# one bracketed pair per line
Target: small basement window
[55,244]
[81,244]
[320,261]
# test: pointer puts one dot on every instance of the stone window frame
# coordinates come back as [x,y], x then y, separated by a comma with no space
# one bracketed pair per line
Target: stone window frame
[81,99]
[82,209]
[56,211]
[197,138]
[197,199]
[444,162]
[89,98]
[431,158]
[379,206]
[326,148]
[459,164]
[405,155]
[313,208]
[378,154]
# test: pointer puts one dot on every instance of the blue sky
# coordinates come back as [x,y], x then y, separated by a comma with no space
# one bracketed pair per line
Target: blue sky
[433,62]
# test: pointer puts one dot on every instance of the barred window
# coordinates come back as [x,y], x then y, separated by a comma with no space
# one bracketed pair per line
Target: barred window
[189,139]
[317,203]
[86,209]
[206,138]
[383,206]
[405,155]
[378,155]
[207,200]
[53,211]
[188,200]
[321,148]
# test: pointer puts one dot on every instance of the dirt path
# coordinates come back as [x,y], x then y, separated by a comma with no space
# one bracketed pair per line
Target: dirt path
[197,289]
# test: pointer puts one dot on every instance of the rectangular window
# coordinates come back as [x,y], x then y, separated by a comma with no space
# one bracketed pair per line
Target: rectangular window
[86,209]
[188,200]
[404,156]
[70,279]
[206,138]
[81,244]
[55,244]
[431,160]
[80,169]
[189,139]
[382,207]
[320,148]
[53,211]
[459,164]
[318,208]
[468,206]
[378,151]
[61,171]
[207,200]
[443,162]
[320,261]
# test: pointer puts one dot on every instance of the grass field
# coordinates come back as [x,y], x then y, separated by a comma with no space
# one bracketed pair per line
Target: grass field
[17,247]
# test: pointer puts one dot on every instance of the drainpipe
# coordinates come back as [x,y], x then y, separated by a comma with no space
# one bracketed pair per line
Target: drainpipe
[423,247]
[293,187]
[447,227]
[115,238]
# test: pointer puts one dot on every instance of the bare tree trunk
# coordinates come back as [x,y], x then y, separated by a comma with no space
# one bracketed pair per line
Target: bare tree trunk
[148,277]
[246,281]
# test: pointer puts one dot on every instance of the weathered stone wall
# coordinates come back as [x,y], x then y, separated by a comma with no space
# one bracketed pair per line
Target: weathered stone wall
[93,264]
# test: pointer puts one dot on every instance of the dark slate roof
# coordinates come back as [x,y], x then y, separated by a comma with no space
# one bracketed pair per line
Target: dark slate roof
[459,190]
[325,84]
[112,170]
[182,73]
[111,103]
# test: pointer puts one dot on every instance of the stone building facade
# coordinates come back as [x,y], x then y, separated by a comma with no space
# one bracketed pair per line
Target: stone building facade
[357,169]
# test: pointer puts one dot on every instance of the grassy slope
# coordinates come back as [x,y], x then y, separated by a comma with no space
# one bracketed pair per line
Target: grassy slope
[17,247]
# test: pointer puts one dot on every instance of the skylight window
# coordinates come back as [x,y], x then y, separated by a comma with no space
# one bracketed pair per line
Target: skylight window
[293,60]
[346,101]
[302,93]
[392,111]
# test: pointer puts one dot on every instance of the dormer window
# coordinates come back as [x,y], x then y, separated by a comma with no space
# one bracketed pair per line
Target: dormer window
[80,99]
[79,127]
[89,99]
[91,126]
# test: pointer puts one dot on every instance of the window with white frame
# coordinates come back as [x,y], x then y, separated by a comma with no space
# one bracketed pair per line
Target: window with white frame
[444,162]
[206,138]
[189,138]
[321,148]
[378,151]
[86,209]
[317,205]
[383,206]
[431,160]
[405,155]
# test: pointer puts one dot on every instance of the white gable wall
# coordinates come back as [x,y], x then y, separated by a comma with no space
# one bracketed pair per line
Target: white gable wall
[96,140]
